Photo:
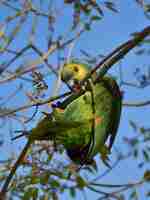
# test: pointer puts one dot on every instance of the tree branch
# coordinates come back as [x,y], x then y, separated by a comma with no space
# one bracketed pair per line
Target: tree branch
[37,103]
[137,104]
[119,53]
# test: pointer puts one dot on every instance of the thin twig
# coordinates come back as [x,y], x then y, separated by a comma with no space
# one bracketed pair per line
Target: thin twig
[37,103]
[137,104]
[42,59]
[118,54]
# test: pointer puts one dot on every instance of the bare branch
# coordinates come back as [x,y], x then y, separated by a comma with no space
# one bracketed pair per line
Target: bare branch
[137,104]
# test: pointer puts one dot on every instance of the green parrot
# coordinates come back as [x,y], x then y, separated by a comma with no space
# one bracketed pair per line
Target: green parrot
[107,105]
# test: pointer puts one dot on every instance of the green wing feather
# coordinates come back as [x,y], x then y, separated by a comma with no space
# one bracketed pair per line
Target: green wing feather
[113,88]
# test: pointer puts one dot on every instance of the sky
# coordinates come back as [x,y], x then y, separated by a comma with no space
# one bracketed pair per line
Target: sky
[111,31]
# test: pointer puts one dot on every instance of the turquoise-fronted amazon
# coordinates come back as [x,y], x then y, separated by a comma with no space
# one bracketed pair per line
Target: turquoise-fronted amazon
[107,103]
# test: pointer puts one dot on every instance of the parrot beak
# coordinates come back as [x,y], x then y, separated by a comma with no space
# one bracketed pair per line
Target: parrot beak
[75,85]
[67,76]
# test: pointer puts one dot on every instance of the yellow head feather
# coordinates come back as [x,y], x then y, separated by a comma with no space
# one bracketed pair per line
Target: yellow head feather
[74,71]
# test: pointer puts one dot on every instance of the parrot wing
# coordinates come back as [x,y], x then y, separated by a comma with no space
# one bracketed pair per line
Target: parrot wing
[115,110]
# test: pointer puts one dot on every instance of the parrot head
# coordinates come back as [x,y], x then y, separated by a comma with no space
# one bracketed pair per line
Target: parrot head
[74,72]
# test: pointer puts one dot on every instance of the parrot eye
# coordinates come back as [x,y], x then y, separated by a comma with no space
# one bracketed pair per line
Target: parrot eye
[76,69]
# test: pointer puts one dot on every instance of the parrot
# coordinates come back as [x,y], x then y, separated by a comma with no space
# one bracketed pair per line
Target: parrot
[108,105]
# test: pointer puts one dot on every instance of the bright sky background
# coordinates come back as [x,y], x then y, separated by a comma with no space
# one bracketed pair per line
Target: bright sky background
[105,35]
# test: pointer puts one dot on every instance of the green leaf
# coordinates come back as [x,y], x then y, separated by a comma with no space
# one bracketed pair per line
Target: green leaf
[146,137]
[135,153]
[96,18]
[26,196]
[111,6]
[146,155]
[142,130]
[134,142]
[134,195]
[133,125]
[1,33]
[34,179]
[54,196]
[148,194]
[87,26]
[72,192]
[121,197]
[147,175]
[44,197]
[87,10]
[44,178]
[31,193]
[81,182]
[55,184]
[77,7]
[147,8]
[99,10]
[35,193]
[141,164]
[49,157]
